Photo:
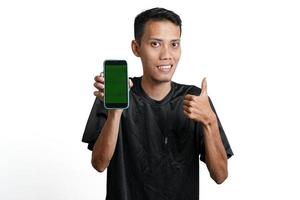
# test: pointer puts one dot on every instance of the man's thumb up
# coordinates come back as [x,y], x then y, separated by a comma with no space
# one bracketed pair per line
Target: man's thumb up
[204,87]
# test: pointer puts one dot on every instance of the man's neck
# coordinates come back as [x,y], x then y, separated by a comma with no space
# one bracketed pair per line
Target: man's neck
[155,90]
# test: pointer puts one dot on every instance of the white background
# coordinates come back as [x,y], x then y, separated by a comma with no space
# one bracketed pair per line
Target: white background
[50,52]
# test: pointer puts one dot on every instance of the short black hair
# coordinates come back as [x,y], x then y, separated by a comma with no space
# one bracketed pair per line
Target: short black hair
[155,14]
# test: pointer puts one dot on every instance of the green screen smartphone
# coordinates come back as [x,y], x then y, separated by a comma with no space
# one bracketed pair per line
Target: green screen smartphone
[116,84]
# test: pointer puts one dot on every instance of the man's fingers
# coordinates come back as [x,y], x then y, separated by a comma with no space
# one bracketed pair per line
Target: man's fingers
[96,93]
[99,79]
[187,109]
[130,83]
[186,113]
[99,94]
[99,86]
[99,82]
[189,97]
[188,103]
[204,87]
[189,115]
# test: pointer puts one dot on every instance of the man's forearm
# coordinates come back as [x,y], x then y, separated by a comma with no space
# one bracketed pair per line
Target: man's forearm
[105,145]
[215,154]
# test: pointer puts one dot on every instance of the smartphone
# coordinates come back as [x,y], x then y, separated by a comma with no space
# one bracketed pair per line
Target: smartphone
[116,93]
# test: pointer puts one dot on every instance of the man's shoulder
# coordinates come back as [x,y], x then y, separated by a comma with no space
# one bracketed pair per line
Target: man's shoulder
[186,89]
[136,84]
[135,79]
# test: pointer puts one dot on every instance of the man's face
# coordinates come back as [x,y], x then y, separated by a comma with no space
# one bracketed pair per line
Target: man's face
[159,50]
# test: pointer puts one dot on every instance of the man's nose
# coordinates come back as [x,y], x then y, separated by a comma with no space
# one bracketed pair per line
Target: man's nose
[165,53]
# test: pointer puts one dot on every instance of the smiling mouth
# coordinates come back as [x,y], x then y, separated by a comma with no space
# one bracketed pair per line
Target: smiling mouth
[165,68]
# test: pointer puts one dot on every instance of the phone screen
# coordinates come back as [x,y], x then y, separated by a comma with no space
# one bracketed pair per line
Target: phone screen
[116,84]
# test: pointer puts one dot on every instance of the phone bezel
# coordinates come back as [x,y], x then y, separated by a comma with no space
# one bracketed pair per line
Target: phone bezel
[108,105]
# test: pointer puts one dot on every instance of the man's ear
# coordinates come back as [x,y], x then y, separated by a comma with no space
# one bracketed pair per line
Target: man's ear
[135,48]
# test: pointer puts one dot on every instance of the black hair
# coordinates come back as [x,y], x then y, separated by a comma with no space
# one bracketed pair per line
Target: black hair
[155,14]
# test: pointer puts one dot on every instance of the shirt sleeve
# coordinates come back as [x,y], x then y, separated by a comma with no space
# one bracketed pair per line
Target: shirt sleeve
[96,120]
[225,142]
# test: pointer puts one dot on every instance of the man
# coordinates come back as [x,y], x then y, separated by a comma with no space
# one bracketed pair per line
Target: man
[151,150]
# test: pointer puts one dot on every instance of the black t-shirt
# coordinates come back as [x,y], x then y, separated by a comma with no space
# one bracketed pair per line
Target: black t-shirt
[158,147]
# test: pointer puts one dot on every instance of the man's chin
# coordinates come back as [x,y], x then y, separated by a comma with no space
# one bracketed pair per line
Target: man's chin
[162,79]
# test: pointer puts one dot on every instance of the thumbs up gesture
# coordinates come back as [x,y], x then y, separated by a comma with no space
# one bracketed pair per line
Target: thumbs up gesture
[198,108]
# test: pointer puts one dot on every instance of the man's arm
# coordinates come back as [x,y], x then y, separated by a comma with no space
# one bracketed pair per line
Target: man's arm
[215,154]
[105,145]
[198,108]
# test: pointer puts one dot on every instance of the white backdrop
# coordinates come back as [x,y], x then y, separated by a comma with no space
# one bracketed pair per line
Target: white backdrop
[50,52]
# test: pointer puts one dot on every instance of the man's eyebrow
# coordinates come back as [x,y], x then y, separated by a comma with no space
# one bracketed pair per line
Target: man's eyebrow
[158,39]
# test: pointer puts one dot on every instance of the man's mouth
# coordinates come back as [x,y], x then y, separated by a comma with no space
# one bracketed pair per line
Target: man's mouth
[165,68]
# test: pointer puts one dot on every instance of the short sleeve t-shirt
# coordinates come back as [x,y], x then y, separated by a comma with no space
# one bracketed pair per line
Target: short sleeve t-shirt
[158,147]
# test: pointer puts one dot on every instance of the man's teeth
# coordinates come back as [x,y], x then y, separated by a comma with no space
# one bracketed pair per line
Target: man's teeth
[164,67]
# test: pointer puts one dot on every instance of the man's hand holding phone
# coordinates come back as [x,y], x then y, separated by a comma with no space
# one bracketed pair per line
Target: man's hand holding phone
[99,85]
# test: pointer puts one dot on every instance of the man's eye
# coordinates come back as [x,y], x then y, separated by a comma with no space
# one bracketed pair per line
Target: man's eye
[175,44]
[155,44]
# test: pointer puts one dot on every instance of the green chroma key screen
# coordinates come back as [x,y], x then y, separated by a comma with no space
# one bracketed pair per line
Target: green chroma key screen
[116,84]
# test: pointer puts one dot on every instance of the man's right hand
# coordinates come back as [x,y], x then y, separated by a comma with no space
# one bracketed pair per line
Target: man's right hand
[99,84]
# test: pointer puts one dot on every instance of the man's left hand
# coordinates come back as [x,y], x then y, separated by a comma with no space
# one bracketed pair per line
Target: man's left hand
[198,108]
